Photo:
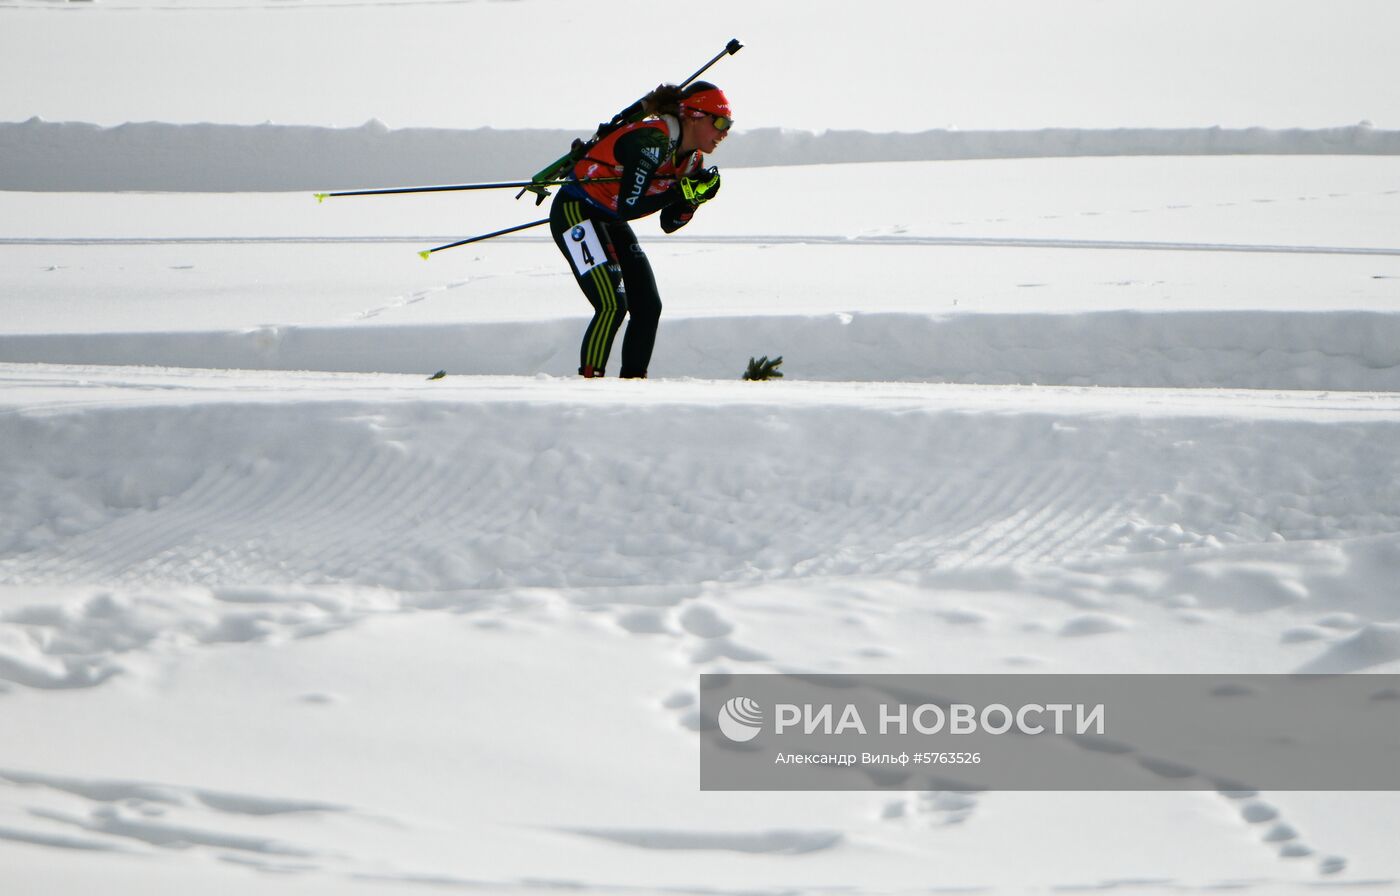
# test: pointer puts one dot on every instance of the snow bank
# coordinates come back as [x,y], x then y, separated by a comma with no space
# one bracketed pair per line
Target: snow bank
[1343,350]
[220,576]
[41,155]
[400,484]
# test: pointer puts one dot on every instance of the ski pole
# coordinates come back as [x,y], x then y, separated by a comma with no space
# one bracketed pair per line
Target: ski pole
[322,197]
[729,50]
[485,236]
[635,111]
[631,114]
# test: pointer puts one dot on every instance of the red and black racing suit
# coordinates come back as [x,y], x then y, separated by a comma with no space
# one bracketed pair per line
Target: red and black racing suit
[589,223]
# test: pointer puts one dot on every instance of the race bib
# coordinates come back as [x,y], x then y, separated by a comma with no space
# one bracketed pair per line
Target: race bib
[585,249]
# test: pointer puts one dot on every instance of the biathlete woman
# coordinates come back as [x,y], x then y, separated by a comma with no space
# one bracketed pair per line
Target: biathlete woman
[656,164]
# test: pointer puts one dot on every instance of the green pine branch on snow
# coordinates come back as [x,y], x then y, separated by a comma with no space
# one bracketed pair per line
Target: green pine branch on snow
[764,369]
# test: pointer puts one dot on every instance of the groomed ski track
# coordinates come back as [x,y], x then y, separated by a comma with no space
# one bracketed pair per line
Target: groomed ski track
[312,632]
[480,546]
[469,482]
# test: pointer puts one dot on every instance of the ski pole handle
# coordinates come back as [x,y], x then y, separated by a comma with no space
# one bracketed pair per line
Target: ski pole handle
[729,50]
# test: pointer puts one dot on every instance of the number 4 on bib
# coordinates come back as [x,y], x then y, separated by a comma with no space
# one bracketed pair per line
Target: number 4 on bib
[585,249]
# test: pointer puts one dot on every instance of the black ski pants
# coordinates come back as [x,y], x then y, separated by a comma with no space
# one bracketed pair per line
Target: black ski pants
[615,276]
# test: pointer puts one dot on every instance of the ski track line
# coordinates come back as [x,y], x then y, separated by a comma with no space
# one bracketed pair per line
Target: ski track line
[399,496]
[449,528]
[462,512]
[176,534]
[342,504]
[753,240]
[982,522]
[190,523]
[298,506]
[1082,534]
[1013,538]
[317,521]
[214,531]
[206,524]
[451,517]
[831,551]
[883,523]
[1089,533]
[817,532]
[186,517]
[998,538]
[947,513]
[93,554]
[966,546]
[973,514]
[261,499]
[1054,503]
[961,543]
[191,516]
[185,530]
[905,516]
[232,7]
[951,507]
[1079,529]
[441,507]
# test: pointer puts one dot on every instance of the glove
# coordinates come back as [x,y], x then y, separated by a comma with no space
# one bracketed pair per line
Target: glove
[701,186]
[676,215]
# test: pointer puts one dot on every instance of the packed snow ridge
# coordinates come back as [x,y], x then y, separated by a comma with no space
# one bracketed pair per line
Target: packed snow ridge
[1355,350]
[72,156]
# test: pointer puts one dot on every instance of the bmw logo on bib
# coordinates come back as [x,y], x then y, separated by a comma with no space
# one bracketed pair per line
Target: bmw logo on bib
[577,233]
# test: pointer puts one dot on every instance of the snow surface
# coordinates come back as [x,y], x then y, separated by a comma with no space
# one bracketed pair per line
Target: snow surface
[280,615]
[359,626]
[280,629]
[1260,272]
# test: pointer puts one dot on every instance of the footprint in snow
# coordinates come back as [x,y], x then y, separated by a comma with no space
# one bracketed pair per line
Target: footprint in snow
[774,842]
[1341,621]
[1256,812]
[1194,617]
[136,816]
[1332,865]
[962,616]
[1279,833]
[1302,634]
[724,648]
[686,708]
[704,621]
[1374,644]
[1093,624]
[1022,661]
[931,808]
[646,622]
[679,700]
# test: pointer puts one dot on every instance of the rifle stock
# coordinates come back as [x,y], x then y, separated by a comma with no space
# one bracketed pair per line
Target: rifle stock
[632,114]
